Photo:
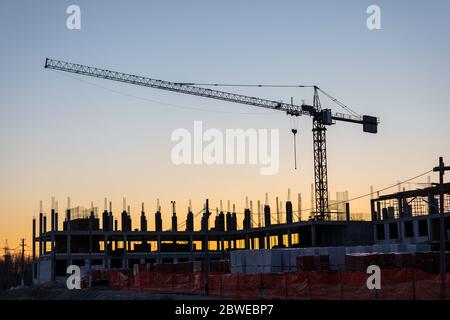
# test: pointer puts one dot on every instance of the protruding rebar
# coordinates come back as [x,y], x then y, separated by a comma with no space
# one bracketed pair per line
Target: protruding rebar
[299,206]
[259,214]
[278,210]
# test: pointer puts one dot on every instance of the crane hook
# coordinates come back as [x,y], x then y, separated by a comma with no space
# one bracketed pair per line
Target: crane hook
[294,131]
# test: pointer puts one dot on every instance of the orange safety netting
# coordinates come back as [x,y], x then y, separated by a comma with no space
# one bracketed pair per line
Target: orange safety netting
[215,285]
[249,286]
[354,286]
[230,285]
[298,286]
[427,286]
[274,286]
[325,285]
[117,280]
[396,284]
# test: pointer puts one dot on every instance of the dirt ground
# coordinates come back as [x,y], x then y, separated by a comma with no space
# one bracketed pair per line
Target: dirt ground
[98,293]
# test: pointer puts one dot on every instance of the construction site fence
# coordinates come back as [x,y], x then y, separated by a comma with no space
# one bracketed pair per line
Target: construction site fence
[396,284]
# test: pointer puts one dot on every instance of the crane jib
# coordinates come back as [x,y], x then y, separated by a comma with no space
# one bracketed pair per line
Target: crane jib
[175,87]
[369,123]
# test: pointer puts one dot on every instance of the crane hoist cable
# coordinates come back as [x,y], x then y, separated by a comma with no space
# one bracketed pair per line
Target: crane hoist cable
[294,130]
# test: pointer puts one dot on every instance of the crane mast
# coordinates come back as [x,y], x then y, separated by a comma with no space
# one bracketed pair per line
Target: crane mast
[321,117]
[320,163]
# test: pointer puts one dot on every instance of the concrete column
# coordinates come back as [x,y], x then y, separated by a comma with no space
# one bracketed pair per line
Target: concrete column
[33,250]
[313,235]
[52,220]
[289,238]
[400,228]
[159,260]
[125,251]
[379,213]
[68,238]
[53,253]
[280,239]
[430,228]
[191,247]
[261,242]
[40,234]
[372,210]
[416,229]
[400,207]
[267,241]
[106,252]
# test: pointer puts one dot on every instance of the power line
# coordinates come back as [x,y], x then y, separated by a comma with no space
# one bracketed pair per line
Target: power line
[363,195]
[376,191]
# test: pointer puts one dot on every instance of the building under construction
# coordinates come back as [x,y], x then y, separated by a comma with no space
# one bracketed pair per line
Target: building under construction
[411,216]
[91,239]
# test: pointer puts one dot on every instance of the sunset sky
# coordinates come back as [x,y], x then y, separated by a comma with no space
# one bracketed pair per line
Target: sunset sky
[68,135]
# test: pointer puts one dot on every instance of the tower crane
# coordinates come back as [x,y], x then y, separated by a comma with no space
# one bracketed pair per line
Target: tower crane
[321,117]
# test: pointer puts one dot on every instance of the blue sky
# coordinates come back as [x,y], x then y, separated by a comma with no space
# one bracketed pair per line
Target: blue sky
[62,136]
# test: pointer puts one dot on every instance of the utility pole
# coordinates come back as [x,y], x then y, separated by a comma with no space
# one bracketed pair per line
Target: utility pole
[22,263]
[91,222]
[441,169]
[207,262]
